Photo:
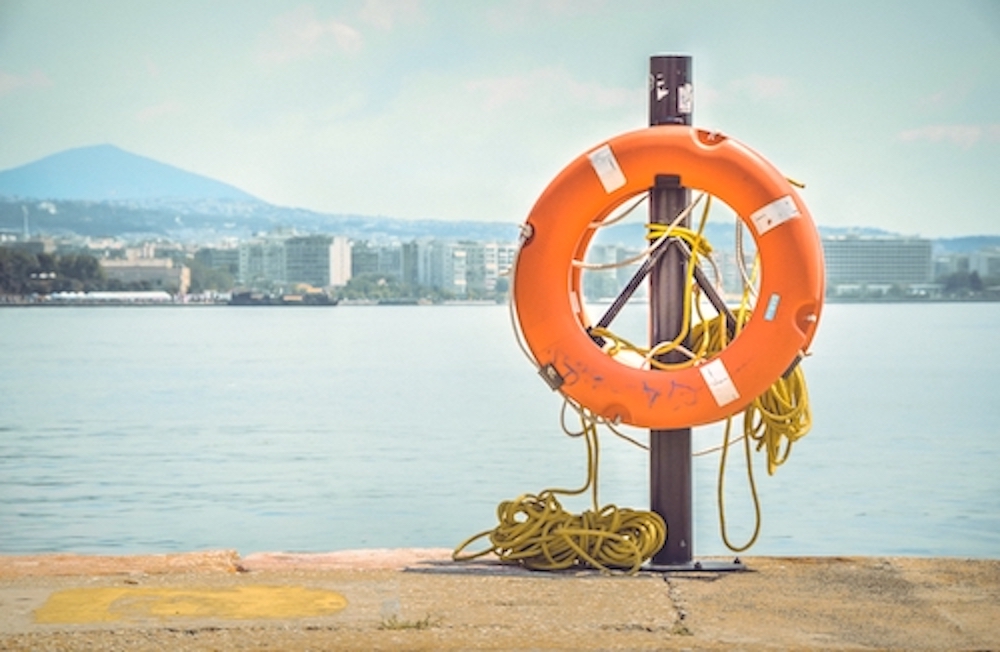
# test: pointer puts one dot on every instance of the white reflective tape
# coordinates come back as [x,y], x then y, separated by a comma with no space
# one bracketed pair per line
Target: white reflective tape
[772,307]
[775,213]
[607,168]
[719,382]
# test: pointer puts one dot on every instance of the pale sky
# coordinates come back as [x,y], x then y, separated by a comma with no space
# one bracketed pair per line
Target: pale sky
[466,109]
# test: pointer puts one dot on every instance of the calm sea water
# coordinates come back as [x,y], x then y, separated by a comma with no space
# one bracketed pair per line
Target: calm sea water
[313,429]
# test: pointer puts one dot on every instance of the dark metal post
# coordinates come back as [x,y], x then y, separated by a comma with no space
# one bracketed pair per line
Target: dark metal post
[670,102]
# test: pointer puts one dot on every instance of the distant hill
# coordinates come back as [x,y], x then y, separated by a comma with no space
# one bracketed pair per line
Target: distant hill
[106,191]
[107,173]
[967,244]
[206,221]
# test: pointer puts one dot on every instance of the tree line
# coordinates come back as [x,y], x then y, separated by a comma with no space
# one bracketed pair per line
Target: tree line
[24,273]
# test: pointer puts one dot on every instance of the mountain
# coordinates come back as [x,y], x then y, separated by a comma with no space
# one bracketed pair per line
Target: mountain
[206,221]
[107,173]
[106,191]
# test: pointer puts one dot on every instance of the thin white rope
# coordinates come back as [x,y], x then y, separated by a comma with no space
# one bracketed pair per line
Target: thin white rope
[615,220]
[648,250]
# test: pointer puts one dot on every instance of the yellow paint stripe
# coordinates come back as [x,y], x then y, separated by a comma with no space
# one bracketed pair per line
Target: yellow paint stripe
[108,604]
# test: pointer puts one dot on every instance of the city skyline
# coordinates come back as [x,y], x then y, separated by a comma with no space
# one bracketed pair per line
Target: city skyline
[432,110]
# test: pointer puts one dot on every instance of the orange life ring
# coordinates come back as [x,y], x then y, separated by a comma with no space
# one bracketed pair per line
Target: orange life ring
[560,226]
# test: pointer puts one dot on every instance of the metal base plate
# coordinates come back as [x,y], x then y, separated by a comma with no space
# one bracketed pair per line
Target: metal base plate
[708,566]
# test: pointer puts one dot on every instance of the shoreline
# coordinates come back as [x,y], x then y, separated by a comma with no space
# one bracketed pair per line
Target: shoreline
[218,304]
[5,302]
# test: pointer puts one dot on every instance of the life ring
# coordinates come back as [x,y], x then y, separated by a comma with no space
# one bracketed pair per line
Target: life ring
[547,293]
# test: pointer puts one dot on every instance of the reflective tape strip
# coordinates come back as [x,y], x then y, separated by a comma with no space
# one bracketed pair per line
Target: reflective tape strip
[772,307]
[607,168]
[777,212]
[719,383]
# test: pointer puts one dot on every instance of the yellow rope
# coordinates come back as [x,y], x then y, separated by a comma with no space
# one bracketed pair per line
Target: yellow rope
[535,531]
[699,246]
[721,491]
[779,417]
[775,420]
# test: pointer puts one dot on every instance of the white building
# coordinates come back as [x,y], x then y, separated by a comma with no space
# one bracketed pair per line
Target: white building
[454,267]
[871,261]
[498,258]
[985,262]
[317,260]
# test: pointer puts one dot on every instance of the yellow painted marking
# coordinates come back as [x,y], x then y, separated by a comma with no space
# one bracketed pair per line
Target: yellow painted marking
[108,604]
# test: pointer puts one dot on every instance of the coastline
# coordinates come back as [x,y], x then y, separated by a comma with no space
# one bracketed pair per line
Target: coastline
[391,304]
[420,599]
[225,304]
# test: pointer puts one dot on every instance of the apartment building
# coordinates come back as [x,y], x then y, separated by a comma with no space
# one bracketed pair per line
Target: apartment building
[852,260]
[318,260]
[278,258]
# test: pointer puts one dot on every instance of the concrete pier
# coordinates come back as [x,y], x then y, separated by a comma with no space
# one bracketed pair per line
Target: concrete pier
[420,599]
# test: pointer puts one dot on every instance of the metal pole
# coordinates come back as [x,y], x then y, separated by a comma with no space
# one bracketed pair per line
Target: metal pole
[670,450]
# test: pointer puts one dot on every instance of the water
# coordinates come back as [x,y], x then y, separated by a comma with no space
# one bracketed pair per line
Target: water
[312,429]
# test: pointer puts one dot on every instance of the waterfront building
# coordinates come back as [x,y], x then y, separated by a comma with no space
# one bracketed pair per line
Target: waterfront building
[442,265]
[340,266]
[866,261]
[364,258]
[318,260]
[986,263]
[453,267]
[159,273]
[458,267]
[475,266]
[951,263]
[603,283]
[282,257]
[485,262]
[727,270]
[262,261]
[409,258]
[371,258]
[225,259]
[498,258]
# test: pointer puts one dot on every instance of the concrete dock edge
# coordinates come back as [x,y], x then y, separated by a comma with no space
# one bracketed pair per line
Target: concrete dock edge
[420,599]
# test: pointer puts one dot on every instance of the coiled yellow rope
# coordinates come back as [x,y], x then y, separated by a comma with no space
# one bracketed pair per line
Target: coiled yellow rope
[779,417]
[536,532]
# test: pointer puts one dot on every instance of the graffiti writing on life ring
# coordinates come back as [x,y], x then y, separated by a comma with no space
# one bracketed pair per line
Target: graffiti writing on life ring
[679,393]
[577,371]
[683,394]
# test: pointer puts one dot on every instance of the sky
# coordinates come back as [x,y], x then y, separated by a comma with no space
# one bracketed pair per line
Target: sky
[888,110]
